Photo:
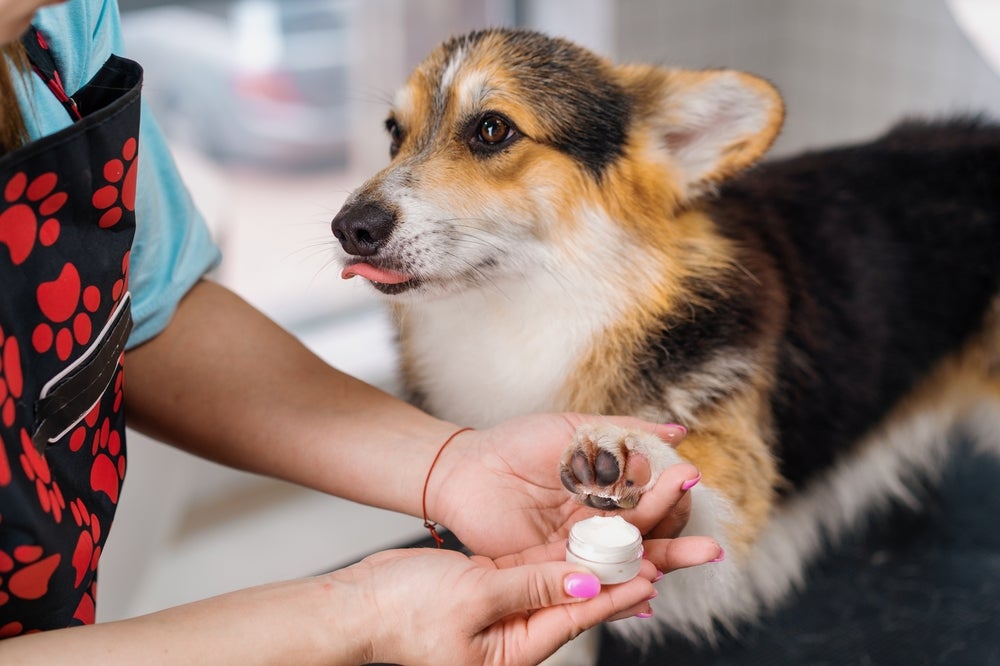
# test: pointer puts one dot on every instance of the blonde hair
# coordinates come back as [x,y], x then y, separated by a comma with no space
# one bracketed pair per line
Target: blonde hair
[13,133]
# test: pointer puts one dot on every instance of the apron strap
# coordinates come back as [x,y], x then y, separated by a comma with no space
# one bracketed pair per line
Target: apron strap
[68,397]
[45,66]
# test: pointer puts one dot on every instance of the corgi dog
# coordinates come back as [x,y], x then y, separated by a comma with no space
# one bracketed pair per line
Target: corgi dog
[558,232]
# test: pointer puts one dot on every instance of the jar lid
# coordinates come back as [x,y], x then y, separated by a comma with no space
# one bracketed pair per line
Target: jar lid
[605,539]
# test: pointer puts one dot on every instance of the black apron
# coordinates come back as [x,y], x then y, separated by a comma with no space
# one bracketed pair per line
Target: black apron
[67,218]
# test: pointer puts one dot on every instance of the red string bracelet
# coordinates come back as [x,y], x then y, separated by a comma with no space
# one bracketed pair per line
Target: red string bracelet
[432,527]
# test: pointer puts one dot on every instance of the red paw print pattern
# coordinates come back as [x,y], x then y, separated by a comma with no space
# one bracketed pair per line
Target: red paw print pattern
[28,215]
[25,573]
[107,472]
[36,468]
[86,612]
[68,306]
[11,380]
[87,552]
[120,286]
[119,194]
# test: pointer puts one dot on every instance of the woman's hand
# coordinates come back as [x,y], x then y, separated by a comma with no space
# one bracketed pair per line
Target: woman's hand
[435,607]
[499,491]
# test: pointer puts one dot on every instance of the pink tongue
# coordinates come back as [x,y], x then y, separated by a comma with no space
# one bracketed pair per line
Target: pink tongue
[374,274]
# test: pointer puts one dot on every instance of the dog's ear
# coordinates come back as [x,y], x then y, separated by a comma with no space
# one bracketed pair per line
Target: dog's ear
[712,124]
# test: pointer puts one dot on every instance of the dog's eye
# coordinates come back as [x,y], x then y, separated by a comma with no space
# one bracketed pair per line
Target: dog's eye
[492,132]
[395,136]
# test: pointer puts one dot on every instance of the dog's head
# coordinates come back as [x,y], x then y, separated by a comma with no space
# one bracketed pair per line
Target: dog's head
[510,148]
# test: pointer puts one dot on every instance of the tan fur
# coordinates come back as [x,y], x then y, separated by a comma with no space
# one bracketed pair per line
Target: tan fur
[729,449]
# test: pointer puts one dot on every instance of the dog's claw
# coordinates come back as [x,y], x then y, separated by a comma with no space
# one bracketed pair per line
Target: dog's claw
[604,503]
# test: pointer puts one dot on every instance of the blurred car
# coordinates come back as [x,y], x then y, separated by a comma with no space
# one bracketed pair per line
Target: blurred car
[262,82]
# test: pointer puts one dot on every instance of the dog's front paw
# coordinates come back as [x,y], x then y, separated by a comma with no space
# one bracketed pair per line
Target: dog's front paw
[608,467]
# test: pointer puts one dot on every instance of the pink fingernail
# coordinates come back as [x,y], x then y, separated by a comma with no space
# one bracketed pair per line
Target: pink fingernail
[659,575]
[722,556]
[674,432]
[691,483]
[645,616]
[652,596]
[582,586]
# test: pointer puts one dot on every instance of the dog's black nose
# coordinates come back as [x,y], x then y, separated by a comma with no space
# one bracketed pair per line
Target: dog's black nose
[361,229]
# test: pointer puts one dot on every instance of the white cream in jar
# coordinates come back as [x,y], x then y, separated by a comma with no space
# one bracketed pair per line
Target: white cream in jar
[609,547]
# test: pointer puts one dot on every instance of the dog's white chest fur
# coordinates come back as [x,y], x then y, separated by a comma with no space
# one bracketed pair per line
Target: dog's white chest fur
[486,356]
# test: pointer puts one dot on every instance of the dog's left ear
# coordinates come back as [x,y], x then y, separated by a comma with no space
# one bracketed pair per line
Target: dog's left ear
[712,124]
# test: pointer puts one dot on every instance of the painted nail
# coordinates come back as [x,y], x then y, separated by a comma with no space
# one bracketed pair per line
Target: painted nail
[653,595]
[659,576]
[673,432]
[645,616]
[691,483]
[722,556]
[582,586]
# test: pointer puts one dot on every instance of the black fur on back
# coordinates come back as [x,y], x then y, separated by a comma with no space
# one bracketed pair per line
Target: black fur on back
[890,255]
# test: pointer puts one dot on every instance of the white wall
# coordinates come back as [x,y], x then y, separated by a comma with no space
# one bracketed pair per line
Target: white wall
[847,68]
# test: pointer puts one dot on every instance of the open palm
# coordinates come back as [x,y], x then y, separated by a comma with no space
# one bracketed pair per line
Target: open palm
[499,491]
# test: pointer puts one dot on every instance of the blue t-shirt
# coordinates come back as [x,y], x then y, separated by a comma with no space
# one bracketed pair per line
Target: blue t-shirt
[173,248]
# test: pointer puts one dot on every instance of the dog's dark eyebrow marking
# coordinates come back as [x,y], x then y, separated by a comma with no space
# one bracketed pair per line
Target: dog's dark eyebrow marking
[584,110]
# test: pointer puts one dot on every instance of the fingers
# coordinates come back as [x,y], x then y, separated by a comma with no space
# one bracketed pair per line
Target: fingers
[671,433]
[683,552]
[666,555]
[566,601]
[641,609]
[666,507]
[535,586]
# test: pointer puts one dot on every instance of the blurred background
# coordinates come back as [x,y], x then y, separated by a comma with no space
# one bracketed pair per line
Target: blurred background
[274,109]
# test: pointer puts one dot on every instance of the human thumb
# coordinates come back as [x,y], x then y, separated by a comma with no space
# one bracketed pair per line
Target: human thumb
[534,586]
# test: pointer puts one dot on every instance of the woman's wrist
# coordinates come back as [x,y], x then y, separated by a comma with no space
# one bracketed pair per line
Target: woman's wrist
[432,495]
[443,494]
[348,629]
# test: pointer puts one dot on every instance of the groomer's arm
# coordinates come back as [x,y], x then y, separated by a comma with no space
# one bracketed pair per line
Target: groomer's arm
[284,623]
[414,606]
[225,382]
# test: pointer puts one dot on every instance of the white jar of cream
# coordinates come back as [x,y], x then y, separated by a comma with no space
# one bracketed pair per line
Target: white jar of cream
[609,547]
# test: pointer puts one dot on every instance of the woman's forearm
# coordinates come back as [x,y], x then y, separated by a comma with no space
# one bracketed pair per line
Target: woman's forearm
[309,621]
[226,383]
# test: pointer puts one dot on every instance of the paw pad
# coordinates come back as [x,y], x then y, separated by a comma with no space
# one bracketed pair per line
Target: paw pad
[606,467]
